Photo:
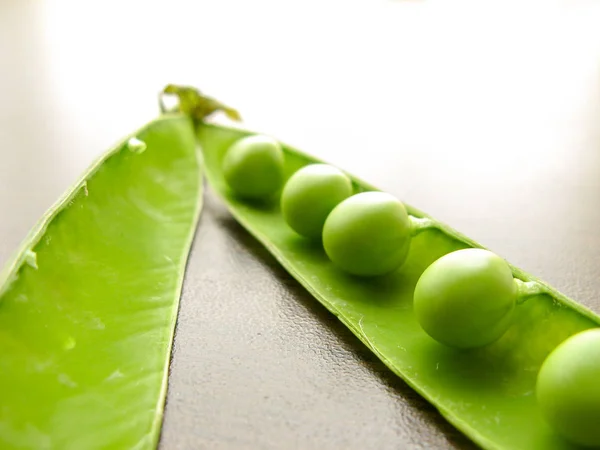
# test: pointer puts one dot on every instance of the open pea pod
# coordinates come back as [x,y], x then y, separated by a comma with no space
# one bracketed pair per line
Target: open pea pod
[88,305]
[488,393]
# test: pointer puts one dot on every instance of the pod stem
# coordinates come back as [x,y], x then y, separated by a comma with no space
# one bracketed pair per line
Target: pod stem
[419,224]
[528,289]
[194,103]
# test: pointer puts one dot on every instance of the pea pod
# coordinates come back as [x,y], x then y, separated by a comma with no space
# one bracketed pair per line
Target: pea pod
[88,305]
[488,393]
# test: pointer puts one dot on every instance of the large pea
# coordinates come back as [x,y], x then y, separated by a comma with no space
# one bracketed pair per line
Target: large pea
[568,388]
[253,167]
[466,298]
[368,234]
[310,195]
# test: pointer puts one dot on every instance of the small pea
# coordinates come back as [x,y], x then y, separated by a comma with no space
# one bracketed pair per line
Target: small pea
[466,298]
[310,195]
[568,388]
[368,234]
[253,167]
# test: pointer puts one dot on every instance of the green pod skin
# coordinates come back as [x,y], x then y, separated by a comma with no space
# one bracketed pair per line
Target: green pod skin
[310,195]
[89,304]
[466,299]
[568,388]
[487,394]
[368,234]
[253,167]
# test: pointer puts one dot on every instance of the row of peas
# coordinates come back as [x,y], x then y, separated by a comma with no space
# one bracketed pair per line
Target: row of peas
[465,299]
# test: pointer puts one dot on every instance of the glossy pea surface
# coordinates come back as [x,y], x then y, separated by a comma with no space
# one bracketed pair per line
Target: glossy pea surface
[488,394]
[568,388]
[253,167]
[310,195]
[466,298]
[368,234]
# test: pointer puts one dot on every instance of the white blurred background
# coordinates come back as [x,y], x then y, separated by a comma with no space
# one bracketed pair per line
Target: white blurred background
[484,114]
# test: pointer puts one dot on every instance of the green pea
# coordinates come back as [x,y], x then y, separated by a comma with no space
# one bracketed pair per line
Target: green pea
[309,196]
[466,298]
[253,167]
[368,234]
[568,388]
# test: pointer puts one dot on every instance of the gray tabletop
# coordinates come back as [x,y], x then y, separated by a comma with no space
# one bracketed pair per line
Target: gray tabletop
[486,118]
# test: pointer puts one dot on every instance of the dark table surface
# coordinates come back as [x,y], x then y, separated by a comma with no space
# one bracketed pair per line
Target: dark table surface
[486,118]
